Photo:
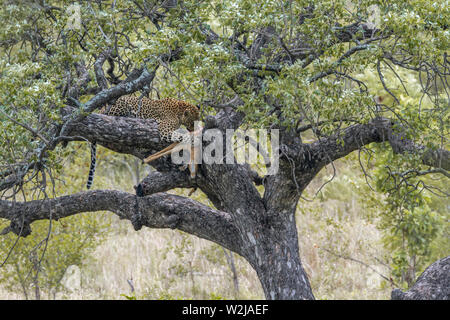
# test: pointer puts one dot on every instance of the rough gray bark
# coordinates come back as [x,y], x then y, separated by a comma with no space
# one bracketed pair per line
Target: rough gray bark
[157,211]
[433,284]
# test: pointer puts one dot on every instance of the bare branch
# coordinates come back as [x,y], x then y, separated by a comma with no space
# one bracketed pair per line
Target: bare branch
[380,74]
[332,70]
[163,181]
[98,68]
[360,262]
[378,130]
[115,133]
[157,211]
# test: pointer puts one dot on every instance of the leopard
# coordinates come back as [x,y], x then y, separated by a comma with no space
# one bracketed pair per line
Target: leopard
[169,113]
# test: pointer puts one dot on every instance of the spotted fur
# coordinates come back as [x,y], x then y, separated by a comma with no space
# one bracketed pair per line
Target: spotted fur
[169,113]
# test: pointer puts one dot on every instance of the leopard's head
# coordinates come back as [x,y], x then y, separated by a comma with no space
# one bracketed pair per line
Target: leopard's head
[189,114]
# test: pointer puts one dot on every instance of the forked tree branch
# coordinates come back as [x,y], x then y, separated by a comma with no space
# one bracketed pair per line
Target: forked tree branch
[164,181]
[378,130]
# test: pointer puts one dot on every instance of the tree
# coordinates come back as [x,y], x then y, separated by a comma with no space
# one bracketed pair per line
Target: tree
[296,66]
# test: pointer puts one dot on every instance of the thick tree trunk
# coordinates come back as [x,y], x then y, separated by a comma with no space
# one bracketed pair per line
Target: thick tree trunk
[280,270]
[273,251]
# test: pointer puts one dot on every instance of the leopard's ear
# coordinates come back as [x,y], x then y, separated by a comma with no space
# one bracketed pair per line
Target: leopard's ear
[185,116]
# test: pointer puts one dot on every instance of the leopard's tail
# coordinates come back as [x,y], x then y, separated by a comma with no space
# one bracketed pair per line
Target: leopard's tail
[93,165]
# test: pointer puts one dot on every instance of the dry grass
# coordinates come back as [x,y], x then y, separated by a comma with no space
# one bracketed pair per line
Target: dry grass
[341,250]
[340,257]
[163,264]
